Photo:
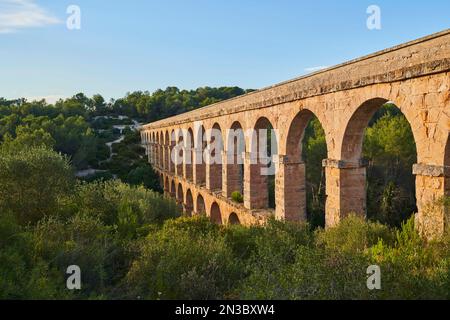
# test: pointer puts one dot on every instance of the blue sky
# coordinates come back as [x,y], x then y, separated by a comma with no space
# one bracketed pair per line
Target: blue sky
[144,45]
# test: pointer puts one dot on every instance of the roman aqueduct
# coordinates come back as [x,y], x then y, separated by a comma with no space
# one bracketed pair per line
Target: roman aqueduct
[414,76]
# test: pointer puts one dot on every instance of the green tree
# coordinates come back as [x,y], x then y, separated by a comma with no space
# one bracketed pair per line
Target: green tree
[28,138]
[389,145]
[33,182]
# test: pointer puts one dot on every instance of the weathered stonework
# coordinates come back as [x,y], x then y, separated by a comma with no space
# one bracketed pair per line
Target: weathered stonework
[415,76]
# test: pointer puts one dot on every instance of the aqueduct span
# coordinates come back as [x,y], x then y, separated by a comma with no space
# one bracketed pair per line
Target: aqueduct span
[415,76]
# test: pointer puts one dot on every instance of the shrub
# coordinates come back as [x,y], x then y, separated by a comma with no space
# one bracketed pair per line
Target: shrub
[105,199]
[81,241]
[237,197]
[24,275]
[411,268]
[353,235]
[33,183]
[313,274]
[176,263]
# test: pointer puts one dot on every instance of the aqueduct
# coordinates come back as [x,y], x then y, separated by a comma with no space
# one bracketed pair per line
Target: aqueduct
[415,76]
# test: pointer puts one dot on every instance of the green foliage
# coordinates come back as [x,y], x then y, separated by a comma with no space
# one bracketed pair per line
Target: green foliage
[47,223]
[314,149]
[24,275]
[131,242]
[175,263]
[26,138]
[145,176]
[81,240]
[354,235]
[412,268]
[237,197]
[33,182]
[111,200]
[333,266]
[389,146]
[73,126]
[171,101]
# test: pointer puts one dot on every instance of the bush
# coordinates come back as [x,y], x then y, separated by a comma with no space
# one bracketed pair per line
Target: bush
[23,274]
[354,235]
[176,263]
[33,183]
[83,241]
[146,176]
[237,197]
[411,268]
[105,199]
[313,274]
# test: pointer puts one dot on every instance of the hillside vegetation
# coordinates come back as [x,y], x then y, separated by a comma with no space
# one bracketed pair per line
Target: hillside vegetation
[132,243]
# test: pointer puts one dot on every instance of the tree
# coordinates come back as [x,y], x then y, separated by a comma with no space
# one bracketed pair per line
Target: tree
[33,182]
[390,148]
[146,176]
[28,138]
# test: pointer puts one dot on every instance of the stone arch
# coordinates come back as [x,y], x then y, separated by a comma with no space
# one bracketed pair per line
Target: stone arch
[200,145]
[161,180]
[189,206]
[214,155]
[161,150]
[188,154]
[157,150]
[167,151]
[215,214]
[167,185]
[180,196]
[234,165]
[259,179]
[349,172]
[172,157]
[292,201]
[296,133]
[179,152]
[201,207]
[233,219]
[352,141]
[173,191]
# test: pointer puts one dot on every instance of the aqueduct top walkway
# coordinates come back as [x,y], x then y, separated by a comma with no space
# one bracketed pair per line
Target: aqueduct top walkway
[415,76]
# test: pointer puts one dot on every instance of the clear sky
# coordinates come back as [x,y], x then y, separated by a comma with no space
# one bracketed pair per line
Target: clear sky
[145,44]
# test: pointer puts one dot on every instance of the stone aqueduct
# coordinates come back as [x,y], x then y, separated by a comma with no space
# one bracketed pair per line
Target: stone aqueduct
[415,76]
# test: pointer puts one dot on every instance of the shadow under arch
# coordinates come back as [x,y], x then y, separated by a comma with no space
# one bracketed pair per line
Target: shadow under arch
[201,207]
[233,219]
[215,215]
[235,149]
[180,197]
[172,154]
[167,151]
[260,187]
[161,150]
[214,163]
[167,185]
[200,144]
[189,206]
[173,191]
[179,152]
[189,154]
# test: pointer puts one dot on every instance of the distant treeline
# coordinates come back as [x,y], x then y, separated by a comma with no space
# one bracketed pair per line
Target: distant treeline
[68,126]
